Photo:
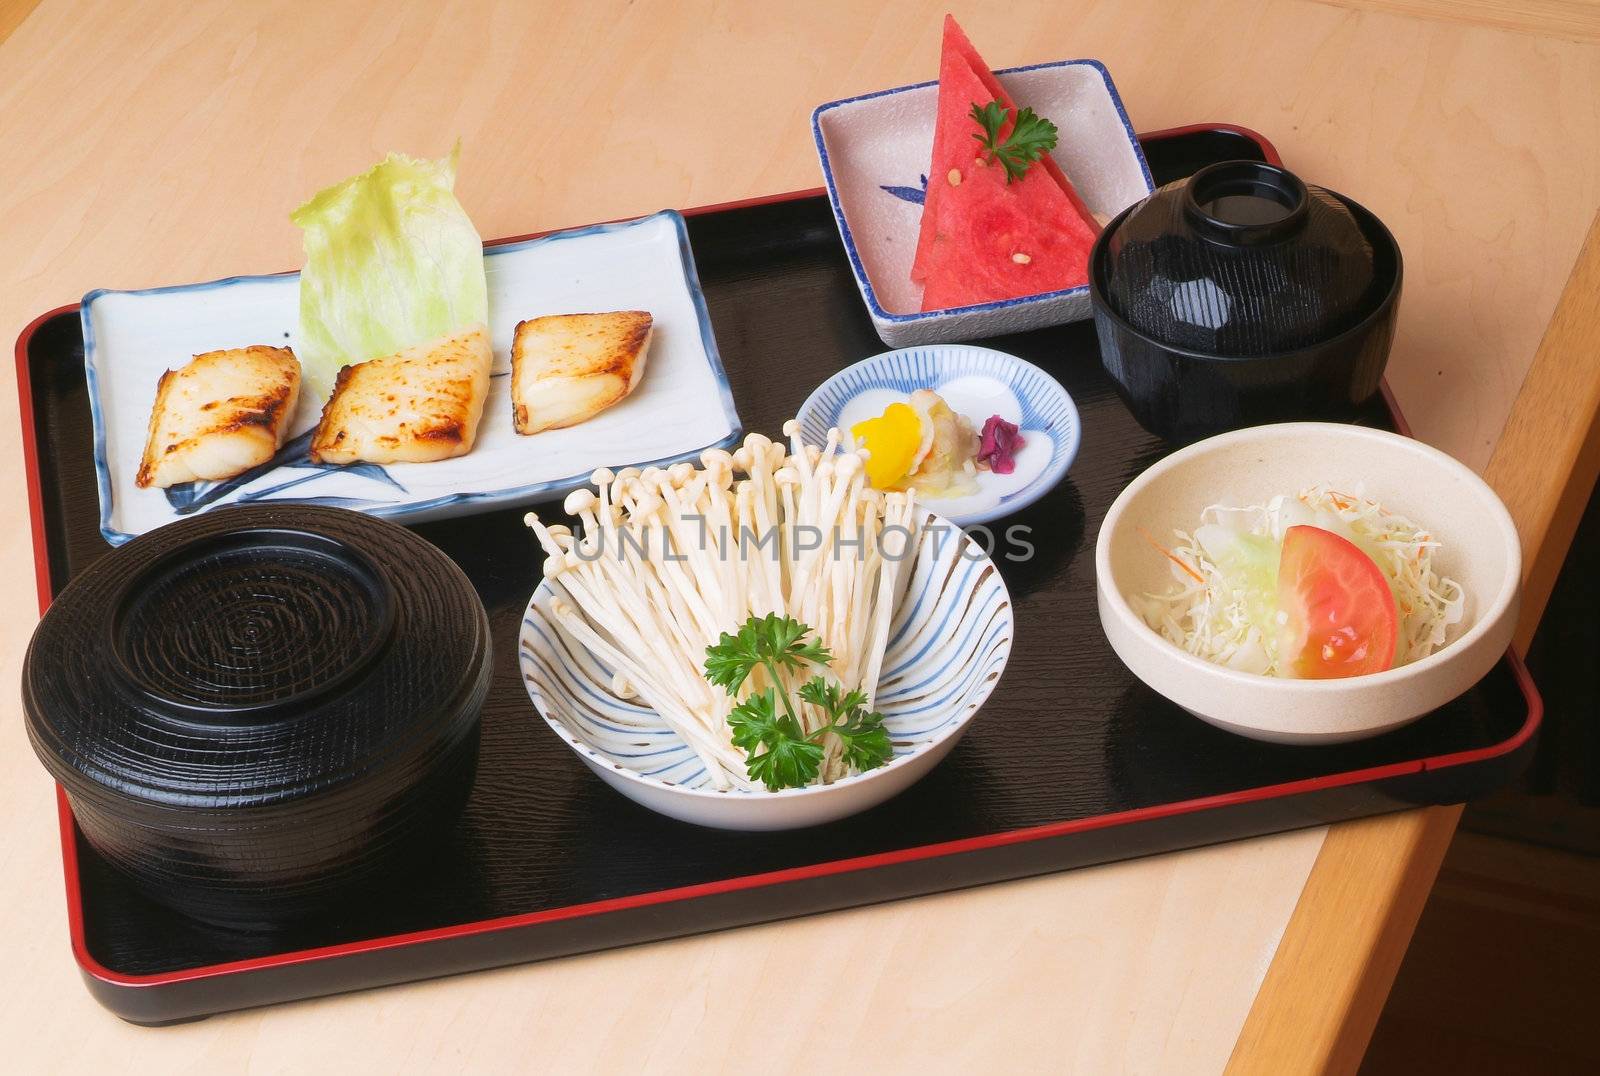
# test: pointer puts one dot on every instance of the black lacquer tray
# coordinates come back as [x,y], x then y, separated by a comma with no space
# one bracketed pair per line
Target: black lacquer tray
[1072,762]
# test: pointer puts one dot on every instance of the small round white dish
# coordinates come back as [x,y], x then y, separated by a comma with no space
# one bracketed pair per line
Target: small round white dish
[1480,550]
[947,648]
[976,382]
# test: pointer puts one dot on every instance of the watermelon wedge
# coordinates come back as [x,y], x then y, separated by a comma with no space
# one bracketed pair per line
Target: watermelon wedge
[983,239]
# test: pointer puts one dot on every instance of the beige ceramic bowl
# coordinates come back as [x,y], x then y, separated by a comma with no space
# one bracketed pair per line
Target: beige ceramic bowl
[1480,550]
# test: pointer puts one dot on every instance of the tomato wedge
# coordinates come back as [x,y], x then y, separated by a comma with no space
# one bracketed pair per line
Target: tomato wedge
[1341,616]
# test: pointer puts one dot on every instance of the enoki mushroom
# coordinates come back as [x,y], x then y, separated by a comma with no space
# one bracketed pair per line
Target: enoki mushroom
[670,558]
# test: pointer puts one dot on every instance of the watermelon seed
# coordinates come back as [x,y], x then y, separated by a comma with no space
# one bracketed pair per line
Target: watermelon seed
[954,177]
[1021,259]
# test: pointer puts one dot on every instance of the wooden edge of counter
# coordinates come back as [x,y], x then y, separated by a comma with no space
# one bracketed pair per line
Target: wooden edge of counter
[1331,974]
[12,15]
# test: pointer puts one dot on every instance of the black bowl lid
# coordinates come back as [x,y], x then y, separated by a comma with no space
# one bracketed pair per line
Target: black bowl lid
[1245,203]
[1240,259]
[251,655]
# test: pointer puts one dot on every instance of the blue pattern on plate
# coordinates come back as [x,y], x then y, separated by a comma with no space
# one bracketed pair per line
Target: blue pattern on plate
[188,497]
[915,195]
[1047,409]
[204,495]
[849,238]
[951,638]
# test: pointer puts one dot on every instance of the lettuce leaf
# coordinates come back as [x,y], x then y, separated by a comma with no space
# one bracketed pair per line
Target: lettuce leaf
[391,260]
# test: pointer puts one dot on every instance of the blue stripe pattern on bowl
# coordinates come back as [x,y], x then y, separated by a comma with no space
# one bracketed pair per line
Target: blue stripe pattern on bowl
[1047,408]
[947,648]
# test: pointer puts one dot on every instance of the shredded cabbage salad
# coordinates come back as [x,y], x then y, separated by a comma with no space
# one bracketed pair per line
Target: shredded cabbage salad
[1223,602]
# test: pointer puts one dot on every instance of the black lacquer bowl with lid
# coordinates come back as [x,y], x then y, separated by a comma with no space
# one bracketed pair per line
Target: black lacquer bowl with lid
[1242,296]
[256,710]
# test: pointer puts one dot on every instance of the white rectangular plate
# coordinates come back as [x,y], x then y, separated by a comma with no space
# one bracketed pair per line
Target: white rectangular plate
[681,406]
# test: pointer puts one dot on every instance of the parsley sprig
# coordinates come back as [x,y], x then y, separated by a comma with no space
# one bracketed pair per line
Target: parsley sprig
[778,751]
[1031,137]
[866,741]
[770,641]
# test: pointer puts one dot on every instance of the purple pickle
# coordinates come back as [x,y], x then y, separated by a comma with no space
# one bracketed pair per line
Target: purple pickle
[1000,444]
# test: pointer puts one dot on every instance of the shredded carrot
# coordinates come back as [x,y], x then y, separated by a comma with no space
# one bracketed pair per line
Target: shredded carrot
[1173,557]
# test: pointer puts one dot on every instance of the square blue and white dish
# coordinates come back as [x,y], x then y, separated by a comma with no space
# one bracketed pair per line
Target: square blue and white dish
[681,406]
[875,151]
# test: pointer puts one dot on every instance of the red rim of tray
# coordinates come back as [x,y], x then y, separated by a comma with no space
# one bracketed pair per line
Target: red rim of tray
[69,850]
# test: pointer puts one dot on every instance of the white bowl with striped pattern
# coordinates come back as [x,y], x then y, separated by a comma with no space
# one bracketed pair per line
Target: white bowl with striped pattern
[947,648]
[976,382]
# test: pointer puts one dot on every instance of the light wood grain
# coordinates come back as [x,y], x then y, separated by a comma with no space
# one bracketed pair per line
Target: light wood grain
[1546,462]
[12,12]
[1340,952]
[1566,20]
[1373,877]
[159,142]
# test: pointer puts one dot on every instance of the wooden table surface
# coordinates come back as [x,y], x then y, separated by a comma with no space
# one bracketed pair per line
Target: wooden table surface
[163,141]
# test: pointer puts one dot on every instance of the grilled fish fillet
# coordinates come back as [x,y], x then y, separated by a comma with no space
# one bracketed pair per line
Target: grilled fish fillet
[567,368]
[418,405]
[220,415]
